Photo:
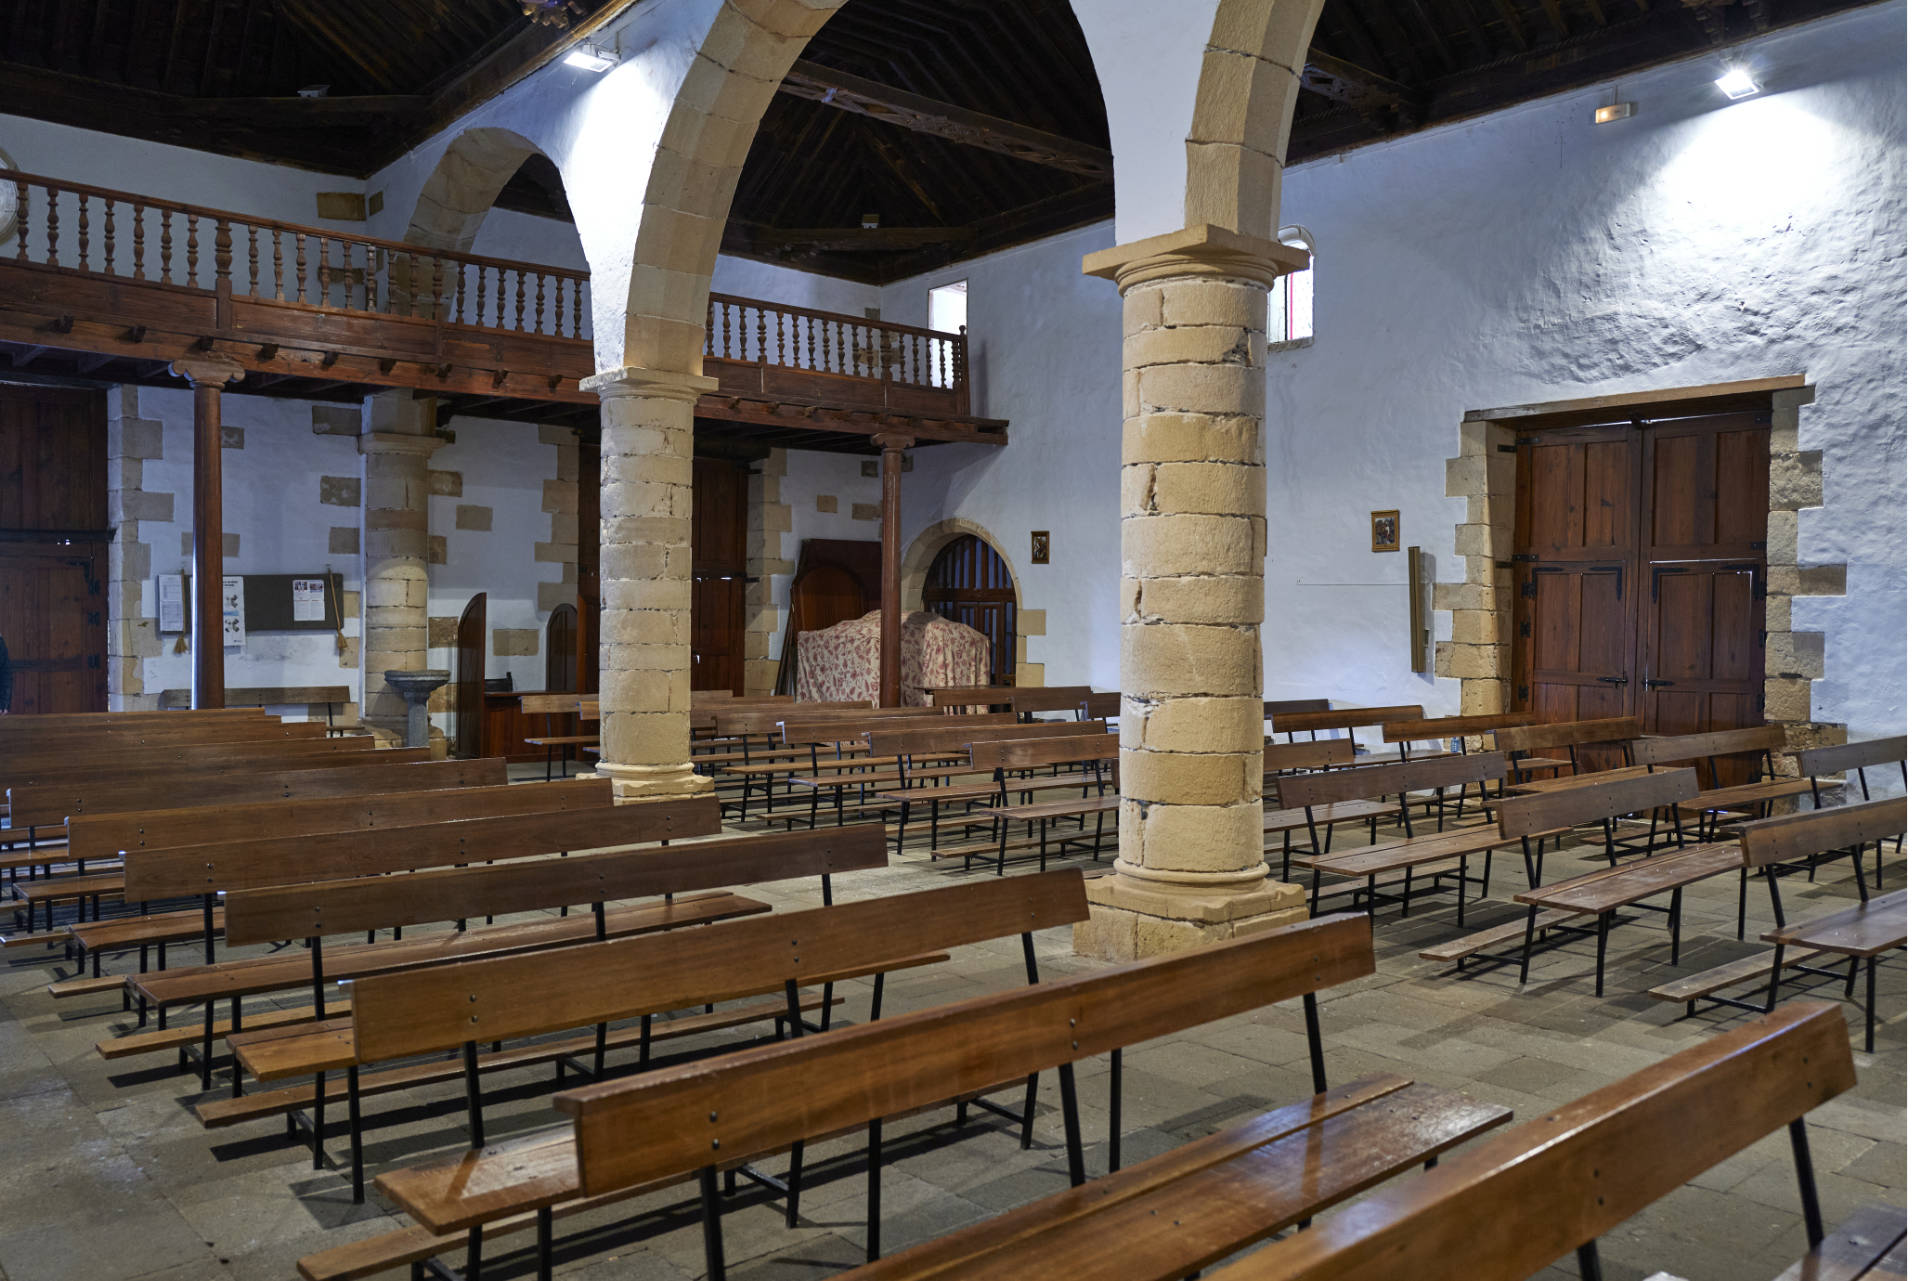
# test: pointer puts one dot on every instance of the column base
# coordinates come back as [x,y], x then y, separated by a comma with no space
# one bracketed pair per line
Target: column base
[389,732]
[635,784]
[1130,919]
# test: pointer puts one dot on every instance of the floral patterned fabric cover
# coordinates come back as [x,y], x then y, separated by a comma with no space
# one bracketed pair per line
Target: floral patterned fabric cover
[842,663]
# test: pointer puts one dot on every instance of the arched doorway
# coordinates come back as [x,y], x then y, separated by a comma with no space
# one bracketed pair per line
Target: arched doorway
[563,671]
[970,583]
[470,678]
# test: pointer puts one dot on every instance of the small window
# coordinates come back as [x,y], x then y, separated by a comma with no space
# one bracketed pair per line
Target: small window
[947,307]
[1290,307]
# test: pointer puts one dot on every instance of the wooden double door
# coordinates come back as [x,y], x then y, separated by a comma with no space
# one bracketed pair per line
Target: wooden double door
[1640,572]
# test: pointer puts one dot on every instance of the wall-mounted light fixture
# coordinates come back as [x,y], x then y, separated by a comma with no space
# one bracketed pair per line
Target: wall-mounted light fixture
[591,56]
[1738,83]
[1611,112]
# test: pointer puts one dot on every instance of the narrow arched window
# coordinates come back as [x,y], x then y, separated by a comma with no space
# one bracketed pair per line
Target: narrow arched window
[1290,307]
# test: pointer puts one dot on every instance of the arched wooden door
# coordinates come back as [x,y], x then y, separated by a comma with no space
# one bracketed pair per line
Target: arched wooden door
[563,671]
[470,679]
[969,583]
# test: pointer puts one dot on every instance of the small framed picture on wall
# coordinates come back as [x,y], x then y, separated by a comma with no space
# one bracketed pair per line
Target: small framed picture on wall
[1386,531]
[1042,546]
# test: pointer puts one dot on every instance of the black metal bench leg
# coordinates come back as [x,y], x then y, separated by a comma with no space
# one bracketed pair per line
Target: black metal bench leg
[353,1132]
[1873,964]
[1673,927]
[319,1120]
[473,1254]
[1589,1256]
[1803,1174]
[873,1190]
[1113,1112]
[543,1226]
[1526,944]
[1070,1113]
[710,1225]
[1600,955]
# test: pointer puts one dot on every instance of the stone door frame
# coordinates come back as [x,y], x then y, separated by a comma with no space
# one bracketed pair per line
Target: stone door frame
[1480,652]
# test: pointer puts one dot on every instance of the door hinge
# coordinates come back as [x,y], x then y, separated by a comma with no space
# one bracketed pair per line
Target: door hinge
[1523,693]
[1525,628]
[1526,588]
[1526,440]
[93,662]
[1523,557]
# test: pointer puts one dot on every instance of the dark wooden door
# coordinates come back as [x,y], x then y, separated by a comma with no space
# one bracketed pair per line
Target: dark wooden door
[1639,557]
[970,584]
[53,547]
[470,679]
[719,574]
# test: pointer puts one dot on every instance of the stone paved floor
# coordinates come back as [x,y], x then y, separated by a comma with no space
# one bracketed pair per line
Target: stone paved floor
[108,1175]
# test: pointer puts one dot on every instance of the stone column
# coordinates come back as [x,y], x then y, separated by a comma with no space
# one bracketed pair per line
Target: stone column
[646,580]
[397,438]
[208,376]
[1193,535]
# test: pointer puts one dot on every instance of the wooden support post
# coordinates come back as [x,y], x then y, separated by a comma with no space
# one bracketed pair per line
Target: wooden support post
[209,534]
[891,449]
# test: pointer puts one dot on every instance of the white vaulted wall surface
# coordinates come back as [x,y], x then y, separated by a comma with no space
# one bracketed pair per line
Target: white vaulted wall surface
[1521,257]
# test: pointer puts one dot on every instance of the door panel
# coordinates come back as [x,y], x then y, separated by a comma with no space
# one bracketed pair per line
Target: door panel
[1640,593]
[53,619]
[719,631]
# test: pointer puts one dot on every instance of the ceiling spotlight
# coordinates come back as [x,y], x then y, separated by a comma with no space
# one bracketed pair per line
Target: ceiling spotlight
[588,56]
[1738,83]
[870,222]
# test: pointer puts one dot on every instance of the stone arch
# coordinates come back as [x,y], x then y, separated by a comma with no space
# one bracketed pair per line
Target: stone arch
[463,186]
[1243,113]
[918,560]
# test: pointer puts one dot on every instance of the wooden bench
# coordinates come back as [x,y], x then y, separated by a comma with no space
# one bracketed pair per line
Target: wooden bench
[548,706]
[399,1015]
[1341,718]
[1708,750]
[1859,933]
[1523,1199]
[1444,728]
[532,1179]
[1286,818]
[1858,757]
[1094,756]
[852,766]
[1372,861]
[183,791]
[265,696]
[944,741]
[43,767]
[775,762]
[697,1119]
[1288,706]
[1598,896]
[212,870]
[1605,734]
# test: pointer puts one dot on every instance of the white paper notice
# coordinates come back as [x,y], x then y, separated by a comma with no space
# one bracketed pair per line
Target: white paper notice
[309,600]
[173,602]
[233,611]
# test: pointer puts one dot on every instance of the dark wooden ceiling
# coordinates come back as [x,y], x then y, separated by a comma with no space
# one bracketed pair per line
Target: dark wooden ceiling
[959,126]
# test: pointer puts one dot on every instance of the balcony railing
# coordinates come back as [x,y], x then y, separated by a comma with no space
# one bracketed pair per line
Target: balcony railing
[116,234]
[907,364]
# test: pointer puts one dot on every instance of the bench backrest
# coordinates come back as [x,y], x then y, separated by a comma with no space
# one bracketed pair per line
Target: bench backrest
[681,1119]
[1319,753]
[972,696]
[1032,753]
[1344,718]
[550,704]
[1101,705]
[1544,811]
[526,995]
[28,722]
[1795,836]
[325,856]
[1816,761]
[1291,706]
[1698,747]
[799,732]
[57,802]
[934,737]
[1050,698]
[1444,727]
[765,718]
[447,894]
[1366,781]
[159,733]
[263,696]
[1522,1199]
[28,767]
[1537,738]
[99,836]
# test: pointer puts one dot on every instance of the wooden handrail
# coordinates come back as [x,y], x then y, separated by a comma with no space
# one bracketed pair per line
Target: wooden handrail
[755,331]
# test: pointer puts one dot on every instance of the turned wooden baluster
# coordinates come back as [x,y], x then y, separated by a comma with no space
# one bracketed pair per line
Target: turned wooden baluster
[83,264]
[460,294]
[253,261]
[107,238]
[324,271]
[813,346]
[540,303]
[299,266]
[279,268]
[193,248]
[520,301]
[439,284]
[20,221]
[579,287]
[139,241]
[222,253]
[166,245]
[500,298]
[760,347]
[53,227]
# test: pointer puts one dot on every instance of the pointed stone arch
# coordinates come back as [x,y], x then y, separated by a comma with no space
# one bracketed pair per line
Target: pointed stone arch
[1243,113]
[463,186]
[918,560]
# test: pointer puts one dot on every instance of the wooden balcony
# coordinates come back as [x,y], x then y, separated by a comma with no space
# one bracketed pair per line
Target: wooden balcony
[115,287]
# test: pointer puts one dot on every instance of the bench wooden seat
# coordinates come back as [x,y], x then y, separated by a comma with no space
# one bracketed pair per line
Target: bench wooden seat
[1406,856]
[1527,1197]
[1861,933]
[1870,1246]
[154,1040]
[1748,795]
[1484,945]
[1225,1192]
[1695,987]
[1319,798]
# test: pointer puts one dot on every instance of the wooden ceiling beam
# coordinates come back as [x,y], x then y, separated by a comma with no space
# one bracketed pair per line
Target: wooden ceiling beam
[1352,84]
[31,91]
[877,101]
[764,239]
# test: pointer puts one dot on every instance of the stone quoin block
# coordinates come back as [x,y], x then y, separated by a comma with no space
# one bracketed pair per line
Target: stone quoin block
[1177,544]
[1199,487]
[1237,599]
[443,631]
[1178,658]
[826,503]
[1197,724]
[336,420]
[436,549]
[1165,437]
[553,595]
[233,437]
[343,540]
[866,511]
[340,491]
[473,516]
[448,484]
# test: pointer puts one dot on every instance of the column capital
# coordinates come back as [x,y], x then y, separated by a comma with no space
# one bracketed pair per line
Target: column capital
[665,384]
[893,442]
[207,370]
[398,442]
[1205,250]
